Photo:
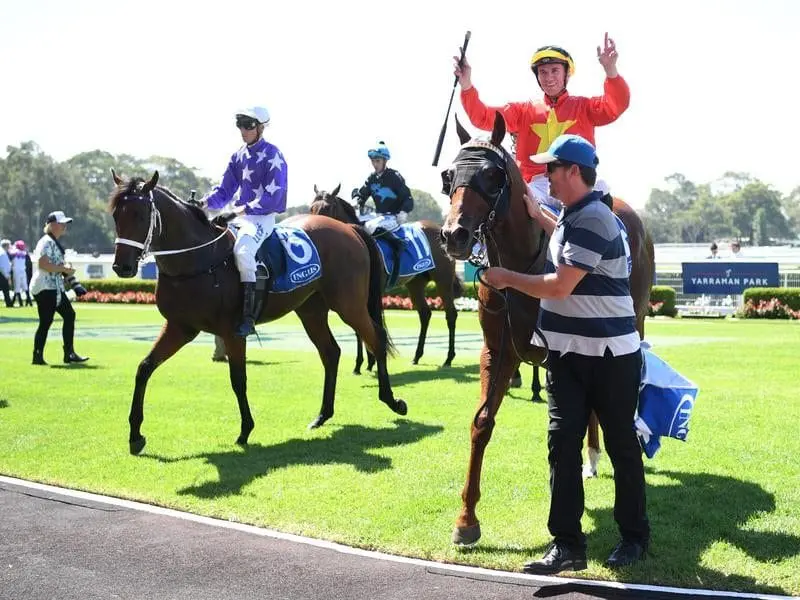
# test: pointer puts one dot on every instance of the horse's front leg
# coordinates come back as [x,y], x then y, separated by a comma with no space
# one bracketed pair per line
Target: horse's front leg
[495,374]
[236,349]
[172,338]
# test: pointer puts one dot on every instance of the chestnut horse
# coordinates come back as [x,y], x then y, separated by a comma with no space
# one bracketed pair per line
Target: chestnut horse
[489,203]
[198,290]
[448,285]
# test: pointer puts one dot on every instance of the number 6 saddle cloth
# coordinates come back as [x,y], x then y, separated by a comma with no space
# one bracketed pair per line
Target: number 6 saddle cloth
[291,259]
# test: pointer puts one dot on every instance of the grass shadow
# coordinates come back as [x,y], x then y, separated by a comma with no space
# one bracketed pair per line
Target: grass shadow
[8,319]
[691,514]
[348,445]
[77,366]
[459,374]
[4,403]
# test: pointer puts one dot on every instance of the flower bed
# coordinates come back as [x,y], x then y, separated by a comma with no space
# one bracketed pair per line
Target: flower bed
[119,297]
[767,309]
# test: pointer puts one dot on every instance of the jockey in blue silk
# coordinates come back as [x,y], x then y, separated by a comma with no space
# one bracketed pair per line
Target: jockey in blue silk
[258,172]
[389,191]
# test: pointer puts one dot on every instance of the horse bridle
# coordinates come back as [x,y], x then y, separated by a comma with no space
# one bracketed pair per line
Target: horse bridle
[498,206]
[155,223]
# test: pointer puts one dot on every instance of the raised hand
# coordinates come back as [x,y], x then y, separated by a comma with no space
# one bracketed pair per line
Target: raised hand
[463,71]
[607,56]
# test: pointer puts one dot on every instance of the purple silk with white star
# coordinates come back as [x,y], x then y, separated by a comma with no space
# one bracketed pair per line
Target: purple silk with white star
[260,171]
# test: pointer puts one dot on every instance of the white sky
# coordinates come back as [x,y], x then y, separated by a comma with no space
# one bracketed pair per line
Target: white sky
[714,84]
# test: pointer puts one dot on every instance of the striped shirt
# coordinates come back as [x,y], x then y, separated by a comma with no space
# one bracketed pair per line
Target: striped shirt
[599,313]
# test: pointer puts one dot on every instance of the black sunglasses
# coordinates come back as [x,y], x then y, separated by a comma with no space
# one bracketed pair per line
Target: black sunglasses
[552,166]
[247,123]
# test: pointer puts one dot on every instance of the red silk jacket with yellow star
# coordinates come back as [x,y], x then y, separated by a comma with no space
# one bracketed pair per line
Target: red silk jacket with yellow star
[537,124]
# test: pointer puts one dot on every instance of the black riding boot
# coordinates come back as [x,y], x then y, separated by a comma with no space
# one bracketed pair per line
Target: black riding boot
[71,357]
[248,325]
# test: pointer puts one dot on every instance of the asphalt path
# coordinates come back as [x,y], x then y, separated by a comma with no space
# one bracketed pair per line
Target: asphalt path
[57,544]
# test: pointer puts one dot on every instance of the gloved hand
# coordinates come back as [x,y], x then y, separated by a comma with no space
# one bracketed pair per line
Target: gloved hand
[79,290]
[354,195]
[402,217]
[222,219]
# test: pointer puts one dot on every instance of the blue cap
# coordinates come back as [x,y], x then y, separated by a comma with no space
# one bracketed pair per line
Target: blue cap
[569,148]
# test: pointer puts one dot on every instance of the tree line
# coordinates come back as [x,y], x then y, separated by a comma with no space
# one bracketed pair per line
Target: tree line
[32,184]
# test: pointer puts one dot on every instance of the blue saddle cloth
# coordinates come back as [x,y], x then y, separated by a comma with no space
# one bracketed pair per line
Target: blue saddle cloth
[291,258]
[416,256]
[666,400]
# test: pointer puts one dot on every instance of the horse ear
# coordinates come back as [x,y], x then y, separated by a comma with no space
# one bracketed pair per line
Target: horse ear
[335,191]
[463,134]
[150,185]
[117,179]
[316,191]
[499,131]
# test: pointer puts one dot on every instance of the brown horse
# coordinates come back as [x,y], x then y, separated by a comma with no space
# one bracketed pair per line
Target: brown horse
[448,285]
[489,202]
[198,290]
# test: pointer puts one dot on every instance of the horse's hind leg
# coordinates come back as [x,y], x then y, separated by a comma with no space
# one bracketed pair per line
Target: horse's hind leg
[236,349]
[416,291]
[592,446]
[172,338]
[376,340]
[359,356]
[314,315]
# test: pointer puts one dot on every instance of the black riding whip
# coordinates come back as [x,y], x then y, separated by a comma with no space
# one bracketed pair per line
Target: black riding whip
[447,116]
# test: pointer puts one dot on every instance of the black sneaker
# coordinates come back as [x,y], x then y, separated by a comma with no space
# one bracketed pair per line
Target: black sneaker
[557,558]
[625,554]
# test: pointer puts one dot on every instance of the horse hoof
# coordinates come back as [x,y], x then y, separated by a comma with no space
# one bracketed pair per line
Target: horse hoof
[466,537]
[356,371]
[516,382]
[400,407]
[241,441]
[537,400]
[138,445]
[447,363]
[318,422]
[415,361]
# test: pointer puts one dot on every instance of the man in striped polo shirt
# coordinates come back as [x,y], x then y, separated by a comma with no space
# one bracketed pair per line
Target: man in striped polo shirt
[594,360]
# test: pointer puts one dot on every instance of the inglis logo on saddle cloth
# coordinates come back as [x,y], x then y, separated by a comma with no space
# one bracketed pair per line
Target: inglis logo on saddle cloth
[416,256]
[666,400]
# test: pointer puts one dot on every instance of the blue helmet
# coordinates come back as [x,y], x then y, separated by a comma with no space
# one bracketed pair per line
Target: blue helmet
[379,151]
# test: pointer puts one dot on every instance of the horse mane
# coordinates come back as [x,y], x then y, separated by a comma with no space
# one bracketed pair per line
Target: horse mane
[121,191]
[134,184]
[328,199]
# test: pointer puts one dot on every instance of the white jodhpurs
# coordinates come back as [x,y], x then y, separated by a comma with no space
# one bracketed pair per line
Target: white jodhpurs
[253,230]
[539,188]
[387,222]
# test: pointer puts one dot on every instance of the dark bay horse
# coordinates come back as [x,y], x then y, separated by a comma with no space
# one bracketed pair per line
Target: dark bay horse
[448,285]
[489,202]
[198,290]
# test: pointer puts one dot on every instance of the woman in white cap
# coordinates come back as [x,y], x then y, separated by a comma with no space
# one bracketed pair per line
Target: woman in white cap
[49,290]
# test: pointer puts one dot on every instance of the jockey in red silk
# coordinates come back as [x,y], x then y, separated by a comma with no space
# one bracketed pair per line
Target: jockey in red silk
[537,123]
[258,172]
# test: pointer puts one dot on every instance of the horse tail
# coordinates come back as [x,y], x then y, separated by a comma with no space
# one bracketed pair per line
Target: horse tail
[375,298]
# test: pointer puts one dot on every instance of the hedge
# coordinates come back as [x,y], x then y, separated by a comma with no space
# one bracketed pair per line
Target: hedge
[666,295]
[788,296]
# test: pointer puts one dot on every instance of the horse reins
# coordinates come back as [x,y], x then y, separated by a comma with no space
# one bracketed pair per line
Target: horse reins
[480,260]
[155,223]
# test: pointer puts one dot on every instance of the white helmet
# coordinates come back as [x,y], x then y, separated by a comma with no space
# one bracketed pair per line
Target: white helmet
[259,113]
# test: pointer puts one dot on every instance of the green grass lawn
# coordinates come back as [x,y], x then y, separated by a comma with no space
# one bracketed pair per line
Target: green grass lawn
[724,506]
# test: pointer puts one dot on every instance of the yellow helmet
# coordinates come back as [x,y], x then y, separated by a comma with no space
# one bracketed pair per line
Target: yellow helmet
[553,54]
